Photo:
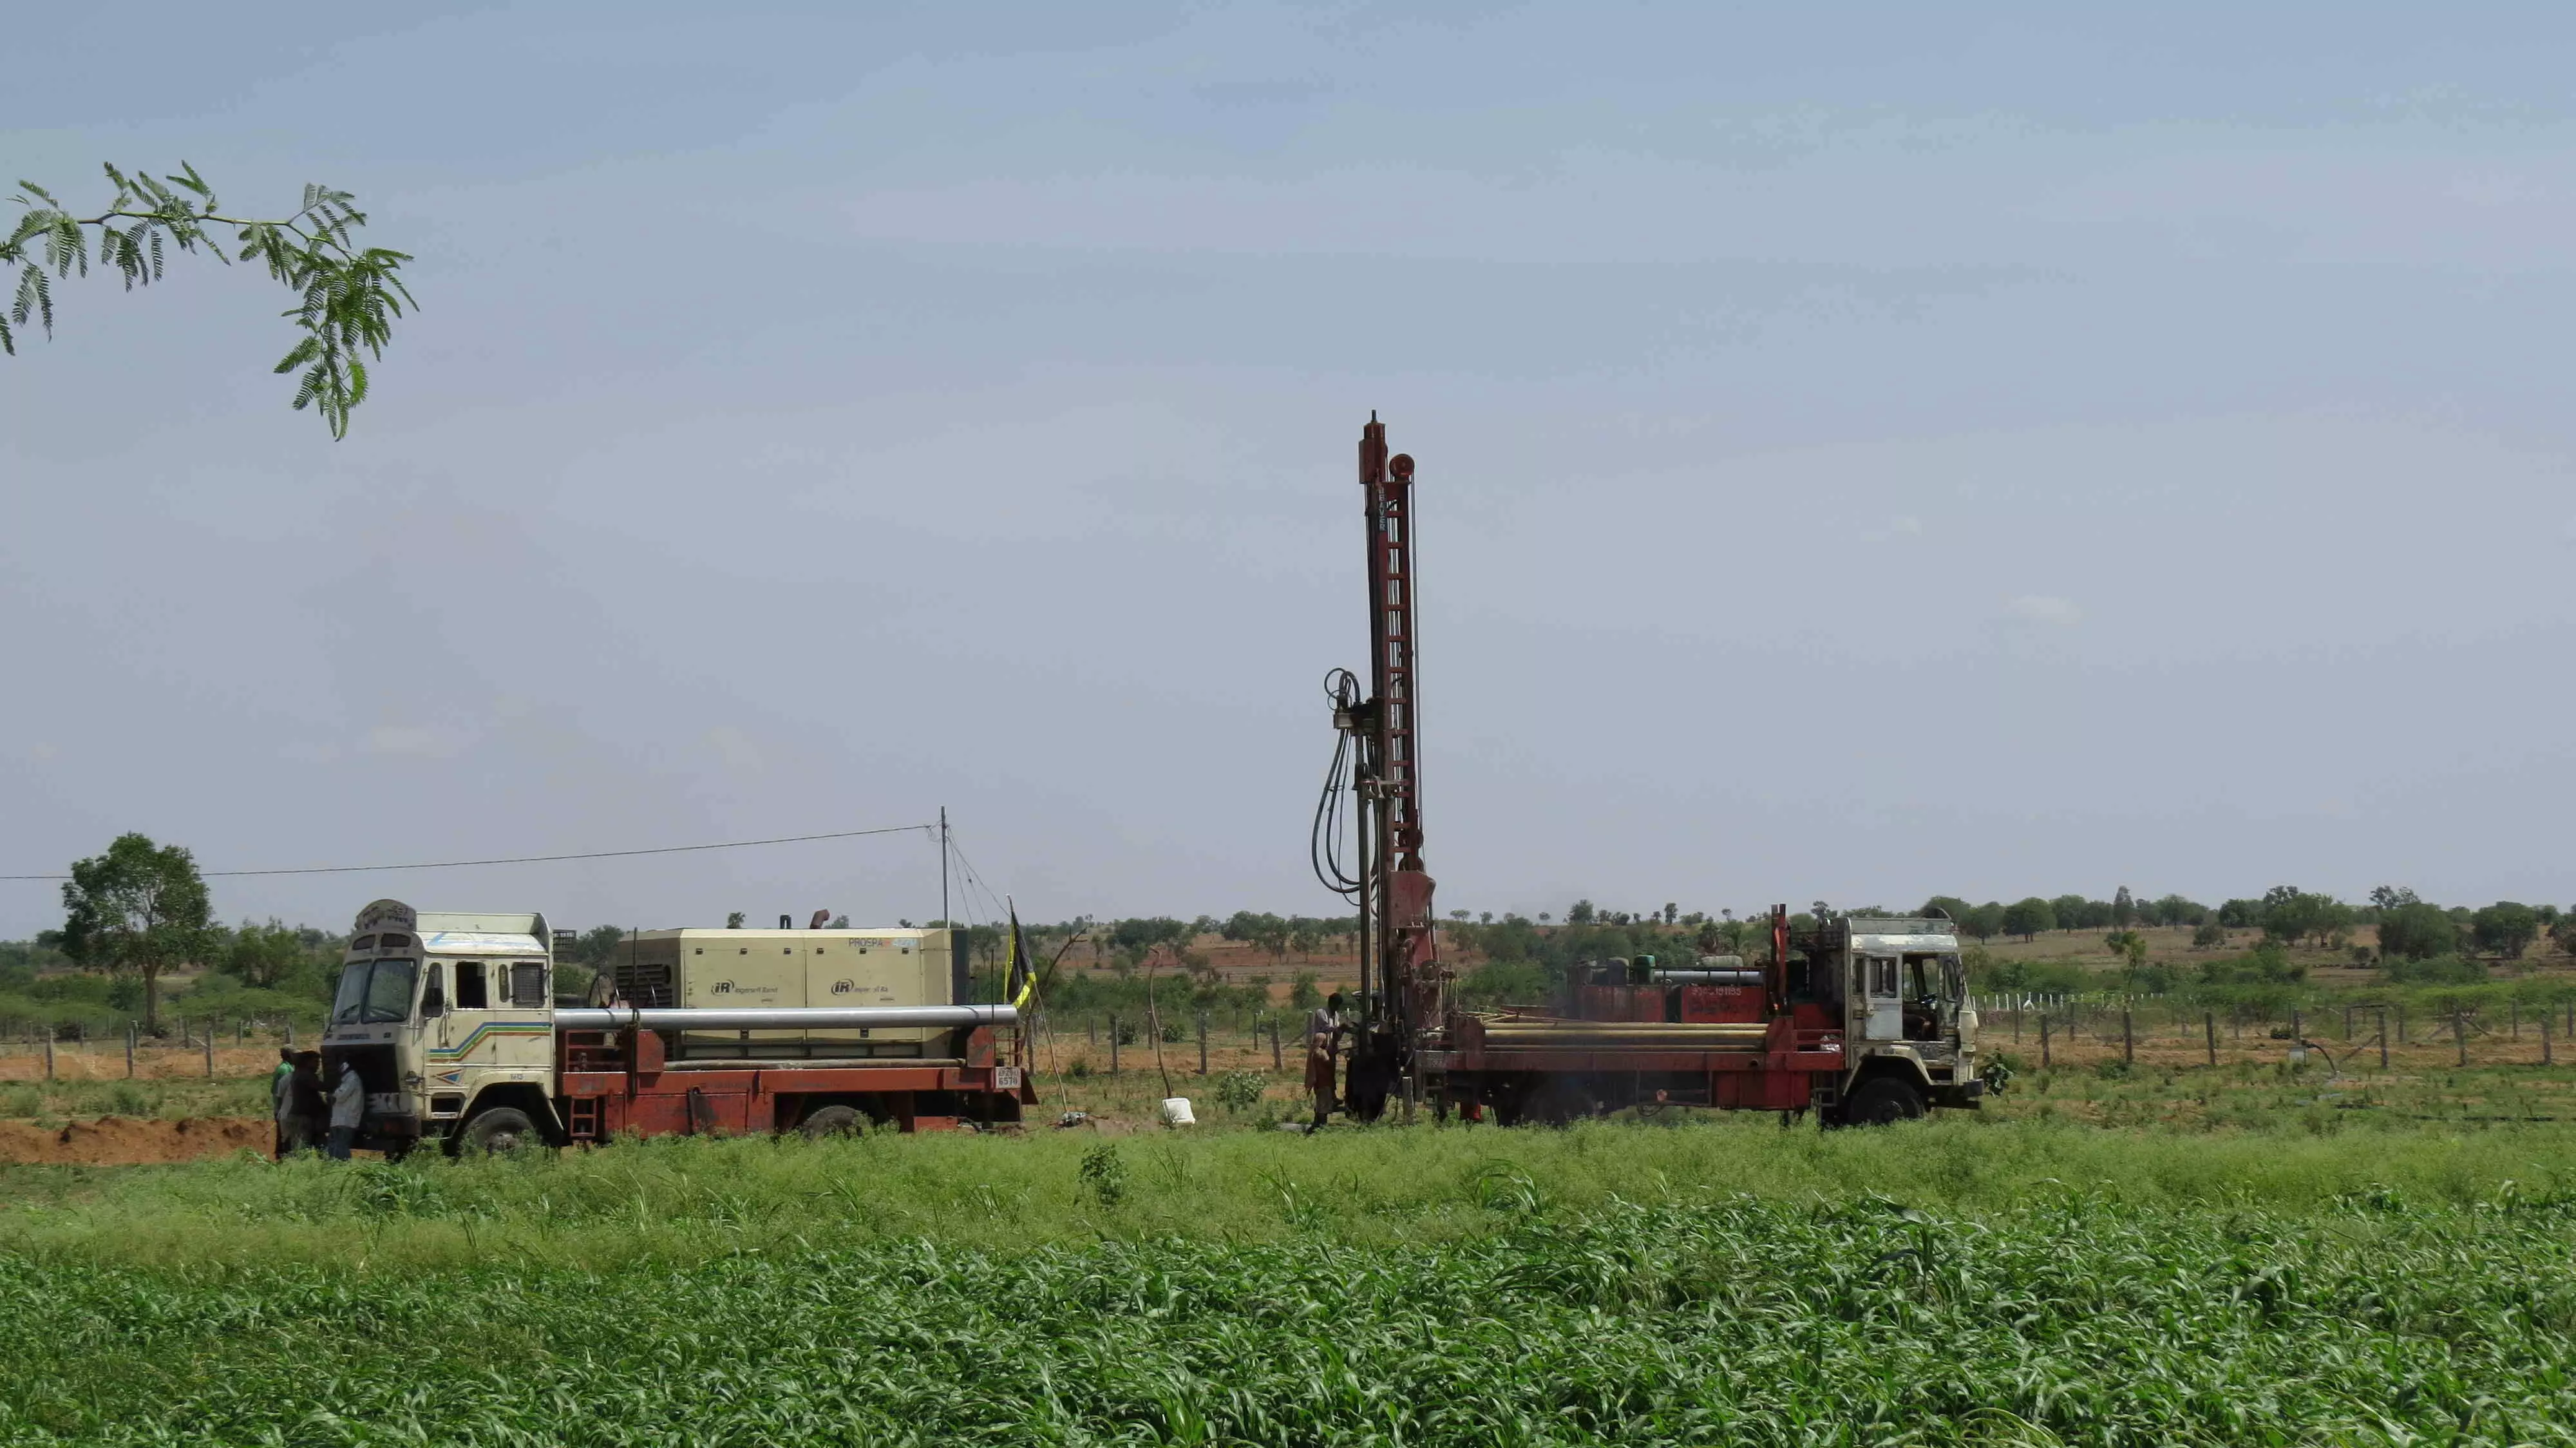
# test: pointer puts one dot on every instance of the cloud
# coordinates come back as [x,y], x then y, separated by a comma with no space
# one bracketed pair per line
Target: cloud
[420,741]
[1900,526]
[736,749]
[2044,609]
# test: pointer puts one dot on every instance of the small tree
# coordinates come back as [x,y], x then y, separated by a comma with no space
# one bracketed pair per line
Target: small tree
[2209,935]
[135,911]
[2124,909]
[2068,911]
[733,920]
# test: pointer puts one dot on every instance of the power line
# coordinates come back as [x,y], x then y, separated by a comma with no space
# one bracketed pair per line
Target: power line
[534,859]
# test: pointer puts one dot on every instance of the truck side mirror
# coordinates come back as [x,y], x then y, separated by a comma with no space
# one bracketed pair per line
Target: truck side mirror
[433,1003]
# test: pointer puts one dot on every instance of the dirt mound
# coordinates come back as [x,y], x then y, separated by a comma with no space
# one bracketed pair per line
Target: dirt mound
[131,1141]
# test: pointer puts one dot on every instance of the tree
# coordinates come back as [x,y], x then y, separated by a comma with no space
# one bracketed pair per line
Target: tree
[263,956]
[1983,922]
[2389,897]
[2177,910]
[135,911]
[1672,912]
[2417,931]
[348,296]
[2027,918]
[2068,911]
[2290,914]
[2562,933]
[2124,910]
[1581,912]
[2209,936]
[2506,928]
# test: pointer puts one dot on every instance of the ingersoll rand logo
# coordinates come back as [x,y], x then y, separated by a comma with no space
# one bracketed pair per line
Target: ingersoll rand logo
[723,987]
[844,987]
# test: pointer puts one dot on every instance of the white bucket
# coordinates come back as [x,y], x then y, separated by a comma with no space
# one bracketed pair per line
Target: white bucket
[1176,1112]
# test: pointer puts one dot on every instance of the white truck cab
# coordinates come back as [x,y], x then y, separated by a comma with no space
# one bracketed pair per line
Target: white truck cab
[439,1011]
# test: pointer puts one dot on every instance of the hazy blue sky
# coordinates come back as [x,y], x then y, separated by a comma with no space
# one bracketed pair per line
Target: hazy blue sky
[1865,451]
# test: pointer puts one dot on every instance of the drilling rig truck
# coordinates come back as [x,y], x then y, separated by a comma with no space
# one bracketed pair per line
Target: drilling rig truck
[1861,1020]
[452,1024]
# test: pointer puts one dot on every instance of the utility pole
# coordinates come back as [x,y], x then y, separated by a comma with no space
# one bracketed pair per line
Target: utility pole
[944,921]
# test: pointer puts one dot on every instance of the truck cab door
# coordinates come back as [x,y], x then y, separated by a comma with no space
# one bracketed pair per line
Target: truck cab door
[1882,1003]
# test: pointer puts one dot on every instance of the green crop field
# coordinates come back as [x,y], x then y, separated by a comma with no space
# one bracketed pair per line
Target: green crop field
[2028,1281]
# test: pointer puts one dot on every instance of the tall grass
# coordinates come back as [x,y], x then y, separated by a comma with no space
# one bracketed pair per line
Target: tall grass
[681,1201]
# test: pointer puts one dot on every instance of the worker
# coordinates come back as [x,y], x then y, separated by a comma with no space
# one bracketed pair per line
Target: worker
[308,1110]
[1323,1030]
[348,1108]
[281,1098]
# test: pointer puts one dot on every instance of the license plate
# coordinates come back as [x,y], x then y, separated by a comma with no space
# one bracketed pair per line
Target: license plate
[1006,1078]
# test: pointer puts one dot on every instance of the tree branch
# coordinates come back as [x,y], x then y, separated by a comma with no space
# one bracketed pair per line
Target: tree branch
[348,296]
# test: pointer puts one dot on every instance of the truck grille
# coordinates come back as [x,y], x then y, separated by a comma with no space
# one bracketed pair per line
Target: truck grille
[645,985]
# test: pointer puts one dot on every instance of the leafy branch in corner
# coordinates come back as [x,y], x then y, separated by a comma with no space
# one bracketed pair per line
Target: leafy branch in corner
[349,295]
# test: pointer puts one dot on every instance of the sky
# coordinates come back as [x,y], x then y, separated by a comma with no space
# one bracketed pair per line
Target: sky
[1865,452]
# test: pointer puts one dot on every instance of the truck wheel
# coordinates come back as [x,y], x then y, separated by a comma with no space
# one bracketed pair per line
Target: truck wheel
[825,1121]
[499,1131]
[1882,1100]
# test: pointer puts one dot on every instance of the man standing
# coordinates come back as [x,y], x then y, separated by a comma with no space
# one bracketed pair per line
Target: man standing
[348,1108]
[1323,1030]
[281,1096]
[308,1110]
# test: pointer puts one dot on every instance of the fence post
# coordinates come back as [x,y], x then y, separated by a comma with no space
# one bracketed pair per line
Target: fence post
[2043,1038]
[2016,1025]
[210,1047]
[2383,1038]
[1276,1063]
[2298,1027]
[2209,1025]
[1202,1043]
[2347,1024]
[2128,1040]
[290,1035]
[129,1050]
[49,1053]
[1113,1043]
[2460,1034]
[2544,1038]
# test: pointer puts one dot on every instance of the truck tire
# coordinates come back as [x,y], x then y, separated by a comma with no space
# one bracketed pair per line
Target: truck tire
[824,1121]
[1883,1100]
[498,1132]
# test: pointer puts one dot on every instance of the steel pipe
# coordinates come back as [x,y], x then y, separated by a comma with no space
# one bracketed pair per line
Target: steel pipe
[780,1018]
[1707,977]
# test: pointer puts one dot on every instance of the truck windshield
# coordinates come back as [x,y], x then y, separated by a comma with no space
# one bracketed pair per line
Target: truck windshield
[374,991]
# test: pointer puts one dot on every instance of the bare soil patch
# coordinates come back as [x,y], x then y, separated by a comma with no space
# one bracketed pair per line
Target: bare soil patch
[131,1140]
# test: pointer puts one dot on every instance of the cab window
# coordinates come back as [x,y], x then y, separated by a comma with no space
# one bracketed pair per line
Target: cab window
[471,992]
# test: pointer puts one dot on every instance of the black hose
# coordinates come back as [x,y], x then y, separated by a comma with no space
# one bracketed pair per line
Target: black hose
[1322,848]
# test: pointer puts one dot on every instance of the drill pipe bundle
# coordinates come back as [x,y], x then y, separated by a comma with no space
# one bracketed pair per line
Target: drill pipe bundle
[1629,1035]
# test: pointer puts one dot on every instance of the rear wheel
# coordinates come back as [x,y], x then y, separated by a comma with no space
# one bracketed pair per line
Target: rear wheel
[1883,1100]
[498,1132]
[825,1121]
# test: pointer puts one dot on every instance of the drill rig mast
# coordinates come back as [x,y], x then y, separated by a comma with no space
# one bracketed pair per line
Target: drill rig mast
[1378,764]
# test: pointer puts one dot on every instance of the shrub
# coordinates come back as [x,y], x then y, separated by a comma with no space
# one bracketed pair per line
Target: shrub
[1240,1090]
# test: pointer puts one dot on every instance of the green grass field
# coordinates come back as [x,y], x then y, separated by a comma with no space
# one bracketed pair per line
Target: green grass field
[1712,1281]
